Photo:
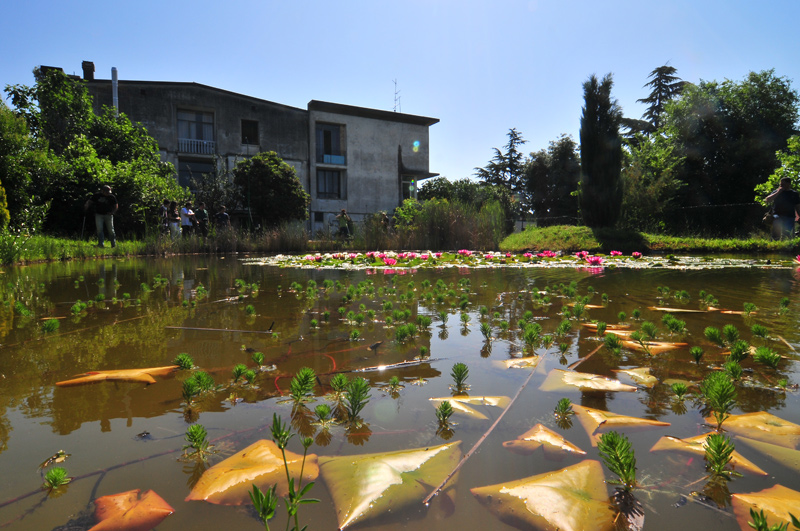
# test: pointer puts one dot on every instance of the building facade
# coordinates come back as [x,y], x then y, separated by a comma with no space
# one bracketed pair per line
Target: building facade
[363,160]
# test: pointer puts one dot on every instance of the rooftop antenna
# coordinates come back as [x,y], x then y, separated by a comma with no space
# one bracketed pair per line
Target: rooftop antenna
[396,97]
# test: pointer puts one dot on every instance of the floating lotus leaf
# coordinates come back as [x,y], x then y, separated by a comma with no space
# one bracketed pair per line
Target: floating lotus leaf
[553,444]
[459,404]
[785,456]
[763,426]
[697,445]
[130,511]
[654,347]
[368,485]
[669,309]
[522,363]
[560,380]
[588,306]
[640,375]
[571,499]
[229,482]
[127,375]
[595,420]
[593,326]
[776,502]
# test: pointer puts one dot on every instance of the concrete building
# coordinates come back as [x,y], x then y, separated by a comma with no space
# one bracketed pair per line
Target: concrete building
[363,160]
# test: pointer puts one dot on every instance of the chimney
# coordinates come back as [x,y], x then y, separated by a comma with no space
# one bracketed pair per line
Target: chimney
[88,70]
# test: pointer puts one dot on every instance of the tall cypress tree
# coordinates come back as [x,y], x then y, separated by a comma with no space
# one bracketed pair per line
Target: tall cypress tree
[601,154]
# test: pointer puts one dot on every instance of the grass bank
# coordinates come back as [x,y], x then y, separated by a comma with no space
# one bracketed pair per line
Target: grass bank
[21,250]
[570,238]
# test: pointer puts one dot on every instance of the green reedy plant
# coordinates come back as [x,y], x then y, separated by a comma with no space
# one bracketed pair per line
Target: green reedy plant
[730,334]
[618,456]
[443,315]
[264,503]
[459,373]
[697,354]
[197,439]
[578,310]
[326,315]
[759,331]
[295,497]
[601,328]
[302,385]
[443,413]
[767,356]
[563,348]
[78,308]
[649,329]
[639,338]
[547,341]
[740,349]
[190,390]
[563,328]
[760,522]
[356,397]
[504,325]
[424,321]
[250,309]
[675,325]
[486,330]
[680,390]
[238,371]
[749,308]
[250,376]
[355,334]
[714,335]
[531,336]
[258,358]
[55,478]
[313,323]
[622,316]
[612,342]
[204,381]
[51,325]
[339,382]
[719,449]
[720,395]
[394,384]
[734,370]
[563,408]
[423,352]
[604,297]
[465,318]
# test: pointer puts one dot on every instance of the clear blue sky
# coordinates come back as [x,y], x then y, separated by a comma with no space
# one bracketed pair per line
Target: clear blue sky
[480,67]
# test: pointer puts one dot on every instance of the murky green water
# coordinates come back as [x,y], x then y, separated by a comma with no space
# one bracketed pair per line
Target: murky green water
[99,423]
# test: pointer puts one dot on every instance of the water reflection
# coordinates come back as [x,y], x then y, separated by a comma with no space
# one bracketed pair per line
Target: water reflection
[97,423]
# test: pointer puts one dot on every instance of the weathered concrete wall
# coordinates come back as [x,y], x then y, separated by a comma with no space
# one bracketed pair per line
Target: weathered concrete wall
[282,129]
[372,170]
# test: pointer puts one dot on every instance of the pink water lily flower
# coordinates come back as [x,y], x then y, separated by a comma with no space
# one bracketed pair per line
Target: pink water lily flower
[437,255]
[464,252]
[527,255]
[797,258]
[389,261]
[594,260]
[615,253]
[636,254]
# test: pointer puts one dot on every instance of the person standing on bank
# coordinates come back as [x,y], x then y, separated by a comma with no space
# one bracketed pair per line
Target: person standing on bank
[785,209]
[344,224]
[187,220]
[105,206]
[201,215]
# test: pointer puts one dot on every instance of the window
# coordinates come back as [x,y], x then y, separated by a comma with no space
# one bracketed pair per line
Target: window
[409,186]
[196,132]
[330,144]
[329,184]
[189,169]
[250,132]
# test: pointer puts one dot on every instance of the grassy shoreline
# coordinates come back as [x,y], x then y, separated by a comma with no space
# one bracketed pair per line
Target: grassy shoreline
[563,238]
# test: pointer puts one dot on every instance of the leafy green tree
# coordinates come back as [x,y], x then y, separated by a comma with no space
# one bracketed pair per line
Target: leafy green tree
[471,193]
[600,193]
[506,167]
[729,133]
[551,176]
[270,187]
[790,167]
[69,152]
[216,188]
[4,216]
[665,87]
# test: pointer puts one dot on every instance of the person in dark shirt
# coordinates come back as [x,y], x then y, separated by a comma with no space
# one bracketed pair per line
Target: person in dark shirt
[105,206]
[201,215]
[785,209]
[222,218]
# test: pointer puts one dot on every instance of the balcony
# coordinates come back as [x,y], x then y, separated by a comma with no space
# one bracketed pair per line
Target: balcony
[198,147]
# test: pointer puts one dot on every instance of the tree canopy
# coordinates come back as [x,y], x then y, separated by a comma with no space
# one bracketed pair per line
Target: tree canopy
[601,154]
[271,189]
[59,152]
[551,176]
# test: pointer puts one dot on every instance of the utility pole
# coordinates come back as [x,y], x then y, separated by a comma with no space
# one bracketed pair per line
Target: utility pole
[396,97]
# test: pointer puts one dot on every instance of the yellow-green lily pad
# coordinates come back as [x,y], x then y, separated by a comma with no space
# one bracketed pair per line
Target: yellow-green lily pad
[461,404]
[697,445]
[640,375]
[571,499]
[554,445]
[763,426]
[785,456]
[368,485]
[776,502]
[561,380]
[596,421]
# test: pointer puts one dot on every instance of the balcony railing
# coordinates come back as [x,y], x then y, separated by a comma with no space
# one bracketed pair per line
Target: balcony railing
[200,147]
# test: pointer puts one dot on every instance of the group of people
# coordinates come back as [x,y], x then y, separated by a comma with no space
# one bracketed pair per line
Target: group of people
[190,220]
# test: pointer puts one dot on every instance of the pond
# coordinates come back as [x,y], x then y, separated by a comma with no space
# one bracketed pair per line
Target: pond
[122,435]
